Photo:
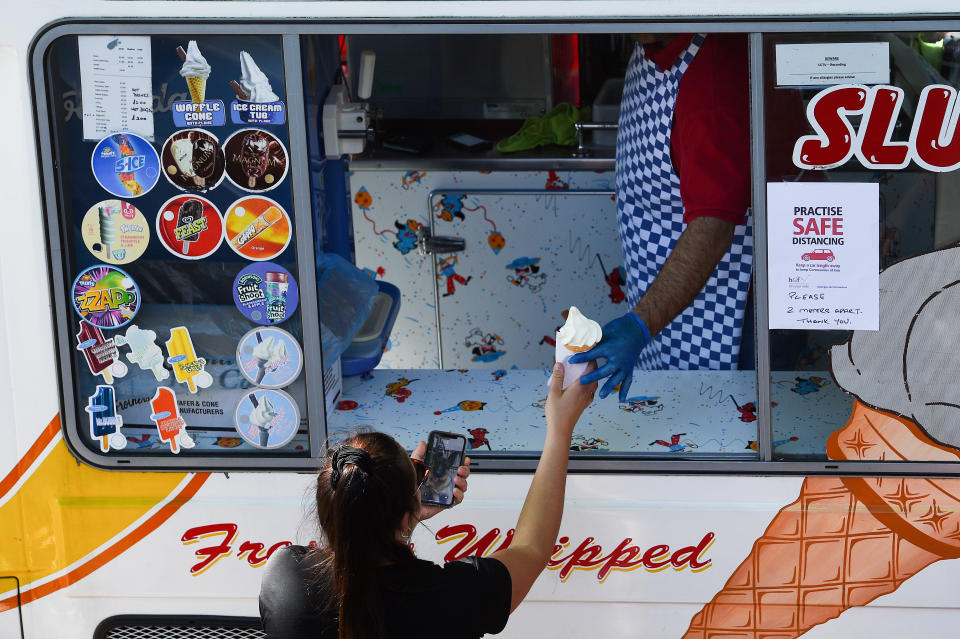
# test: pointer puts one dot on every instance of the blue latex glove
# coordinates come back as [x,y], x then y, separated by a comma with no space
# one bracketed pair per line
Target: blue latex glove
[622,341]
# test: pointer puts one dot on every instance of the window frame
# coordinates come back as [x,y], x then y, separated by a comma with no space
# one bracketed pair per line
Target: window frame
[292,32]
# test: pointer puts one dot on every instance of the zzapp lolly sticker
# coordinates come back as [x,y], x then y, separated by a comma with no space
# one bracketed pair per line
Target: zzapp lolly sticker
[257,228]
[266,293]
[269,357]
[115,231]
[105,423]
[101,354]
[187,367]
[170,425]
[267,418]
[190,226]
[143,351]
[125,165]
[105,296]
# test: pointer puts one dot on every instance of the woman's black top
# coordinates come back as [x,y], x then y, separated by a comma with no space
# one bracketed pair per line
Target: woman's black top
[462,599]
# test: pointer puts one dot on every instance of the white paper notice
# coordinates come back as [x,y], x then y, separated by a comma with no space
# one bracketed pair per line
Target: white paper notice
[824,255]
[116,86]
[827,63]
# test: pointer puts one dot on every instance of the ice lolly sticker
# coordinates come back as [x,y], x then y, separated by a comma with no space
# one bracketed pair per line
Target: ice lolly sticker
[192,160]
[104,422]
[126,165]
[105,296]
[115,232]
[269,357]
[266,293]
[143,351]
[190,226]
[257,228]
[172,427]
[101,354]
[187,367]
[267,418]
[256,102]
[256,160]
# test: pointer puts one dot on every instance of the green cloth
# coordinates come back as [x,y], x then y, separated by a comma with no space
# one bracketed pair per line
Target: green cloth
[556,127]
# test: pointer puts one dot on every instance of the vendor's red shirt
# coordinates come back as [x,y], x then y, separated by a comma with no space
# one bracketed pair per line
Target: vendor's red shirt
[710,140]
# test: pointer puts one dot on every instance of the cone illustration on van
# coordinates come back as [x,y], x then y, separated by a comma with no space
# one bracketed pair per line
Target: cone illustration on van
[846,541]
[195,71]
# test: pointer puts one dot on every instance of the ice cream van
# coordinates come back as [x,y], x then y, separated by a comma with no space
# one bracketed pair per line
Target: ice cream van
[236,231]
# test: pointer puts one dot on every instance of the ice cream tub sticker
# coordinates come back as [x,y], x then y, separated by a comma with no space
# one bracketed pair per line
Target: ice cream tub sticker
[257,228]
[267,418]
[269,357]
[193,160]
[198,111]
[266,293]
[256,160]
[105,423]
[170,425]
[187,367]
[105,296]
[256,102]
[115,232]
[190,226]
[144,351]
[125,165]
[101,354]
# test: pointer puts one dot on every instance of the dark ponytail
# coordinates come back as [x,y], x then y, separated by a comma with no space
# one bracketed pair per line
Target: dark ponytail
[363,492]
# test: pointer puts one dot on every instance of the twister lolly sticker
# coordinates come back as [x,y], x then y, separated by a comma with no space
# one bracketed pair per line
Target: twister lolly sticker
[187,367]
[105,296]
[143,351]
[192,160]
[267,418]
[266,293]
[101,354]
[257,228]
[115,232]
[190,226]
[166,415]
[125,165]
[105,423]
[269,357]
[256,160]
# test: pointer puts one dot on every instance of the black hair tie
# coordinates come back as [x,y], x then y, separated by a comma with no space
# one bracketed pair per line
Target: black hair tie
[344,456]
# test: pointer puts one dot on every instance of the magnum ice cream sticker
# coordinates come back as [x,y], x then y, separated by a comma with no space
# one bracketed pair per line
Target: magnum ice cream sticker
[193,160]
[115,232]
[846,541]
[256,160]
[190,226]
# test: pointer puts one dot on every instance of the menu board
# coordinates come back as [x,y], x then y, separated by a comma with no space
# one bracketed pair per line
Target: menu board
[180,247]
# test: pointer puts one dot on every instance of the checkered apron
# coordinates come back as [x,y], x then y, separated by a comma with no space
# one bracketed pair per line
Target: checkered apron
[706,335]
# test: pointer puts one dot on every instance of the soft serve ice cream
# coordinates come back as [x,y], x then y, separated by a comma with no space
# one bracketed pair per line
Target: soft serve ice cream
[577,335]
[195,71]
[270,354]
[254,82]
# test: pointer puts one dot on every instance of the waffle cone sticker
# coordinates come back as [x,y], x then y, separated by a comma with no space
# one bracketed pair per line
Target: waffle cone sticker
[846,541]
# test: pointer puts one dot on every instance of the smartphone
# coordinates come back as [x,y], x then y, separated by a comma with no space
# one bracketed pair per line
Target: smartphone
[406,143]
[469,142]
[444,456]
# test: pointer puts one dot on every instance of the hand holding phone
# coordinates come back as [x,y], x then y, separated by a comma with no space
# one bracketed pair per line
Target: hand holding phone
[444,456]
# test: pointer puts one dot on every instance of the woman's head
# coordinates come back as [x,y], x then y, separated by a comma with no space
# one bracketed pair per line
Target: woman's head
[366,493]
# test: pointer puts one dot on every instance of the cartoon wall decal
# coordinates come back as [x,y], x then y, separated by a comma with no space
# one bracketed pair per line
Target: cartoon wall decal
[748,411]
[847,540]
[498,374]
[406,235]
[347,404]
[674,445]
[616,280]
[478,438]
[807,385]
[484,346]
[446,268]
[581,444]
[526,272]
[170,425]
[754,445]
[467,405]
[144,351]
[374,274]
[554,183]
[101,354]
[411,178]
[451,206]
[105,423]
[642,404]
[363,199]
[398,389]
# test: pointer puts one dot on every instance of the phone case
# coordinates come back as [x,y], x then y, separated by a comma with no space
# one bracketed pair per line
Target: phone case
[428,494]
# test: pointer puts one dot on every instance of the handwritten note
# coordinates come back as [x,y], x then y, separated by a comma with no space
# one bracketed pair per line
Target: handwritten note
[824,255]
[116,85]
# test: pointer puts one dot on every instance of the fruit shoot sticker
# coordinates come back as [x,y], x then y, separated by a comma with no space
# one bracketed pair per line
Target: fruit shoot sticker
[170,425]
[266,293]
[269,357]
[267,418]
[125,165]
[190,226]
[105,423]
[101,354]
[187,367]
[115,232]
[257,228]
[105,296]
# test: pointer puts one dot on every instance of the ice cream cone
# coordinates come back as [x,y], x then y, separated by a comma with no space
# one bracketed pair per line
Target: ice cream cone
[198,87]
[844,541]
